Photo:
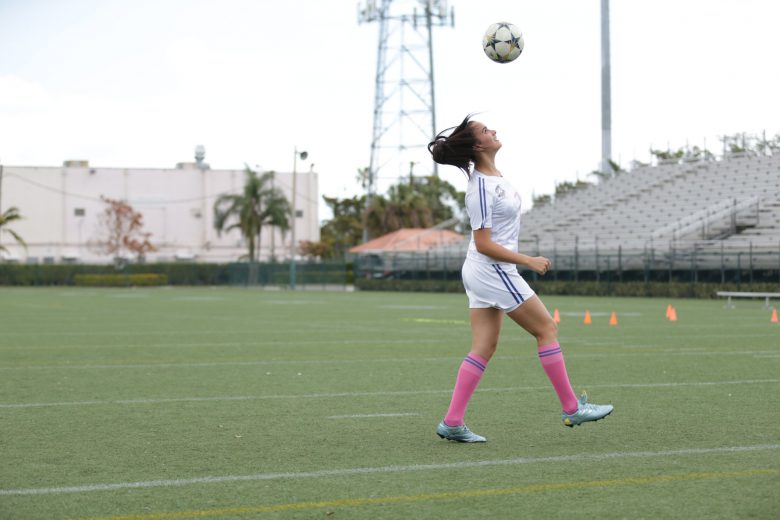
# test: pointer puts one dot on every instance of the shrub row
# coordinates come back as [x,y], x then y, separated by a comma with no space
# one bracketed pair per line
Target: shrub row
[340,273]
[178,273]
[120,280]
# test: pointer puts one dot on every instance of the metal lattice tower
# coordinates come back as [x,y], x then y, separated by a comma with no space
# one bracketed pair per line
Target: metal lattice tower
[404,101]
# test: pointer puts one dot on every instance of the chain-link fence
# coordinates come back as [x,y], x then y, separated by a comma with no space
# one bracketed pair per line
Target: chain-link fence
[649,265]
[323,275]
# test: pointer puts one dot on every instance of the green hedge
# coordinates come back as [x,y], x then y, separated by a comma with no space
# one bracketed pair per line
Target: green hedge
[571,288]
[179,273]
[340,273]
[448,286]
[120,280]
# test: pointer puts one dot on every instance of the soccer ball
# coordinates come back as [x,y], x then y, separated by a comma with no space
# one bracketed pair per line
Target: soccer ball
[503,42]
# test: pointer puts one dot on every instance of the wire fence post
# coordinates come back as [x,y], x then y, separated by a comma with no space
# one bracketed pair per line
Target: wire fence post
[739,268]
[596,245]
[576,258]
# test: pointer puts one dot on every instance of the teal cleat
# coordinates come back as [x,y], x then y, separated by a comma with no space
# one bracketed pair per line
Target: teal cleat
[458,433]
[586,412]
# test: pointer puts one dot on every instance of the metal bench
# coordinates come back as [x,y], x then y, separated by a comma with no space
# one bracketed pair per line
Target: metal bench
[765,295]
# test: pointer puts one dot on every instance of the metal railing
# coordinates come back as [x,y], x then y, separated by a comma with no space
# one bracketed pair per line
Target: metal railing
[724,215]
[674,263]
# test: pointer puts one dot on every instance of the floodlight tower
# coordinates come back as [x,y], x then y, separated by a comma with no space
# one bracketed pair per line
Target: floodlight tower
[404,100]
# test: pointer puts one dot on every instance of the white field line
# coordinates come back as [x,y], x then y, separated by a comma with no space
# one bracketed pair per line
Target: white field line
[368,394]
[419,340]
[236,363]
[370,415]
[598,313]
[258,343]
[669,333]
[383,469]
[453,358]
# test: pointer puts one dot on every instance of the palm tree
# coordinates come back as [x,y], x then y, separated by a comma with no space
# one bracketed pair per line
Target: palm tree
[260,204]
[422,202]
[10,215]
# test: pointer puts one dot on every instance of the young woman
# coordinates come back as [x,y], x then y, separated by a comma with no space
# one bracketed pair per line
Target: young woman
[491,280]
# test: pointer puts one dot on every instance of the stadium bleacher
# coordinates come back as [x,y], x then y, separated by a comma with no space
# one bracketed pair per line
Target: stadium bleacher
[714,215]
[703,206]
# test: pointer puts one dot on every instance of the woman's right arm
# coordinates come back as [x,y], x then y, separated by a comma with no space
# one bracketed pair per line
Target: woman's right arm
[486,246]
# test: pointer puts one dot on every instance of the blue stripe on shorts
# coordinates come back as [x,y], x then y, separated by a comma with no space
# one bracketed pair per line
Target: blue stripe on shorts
[508,283]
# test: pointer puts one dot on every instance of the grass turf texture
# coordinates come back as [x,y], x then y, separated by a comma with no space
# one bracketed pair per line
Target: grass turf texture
[284,403]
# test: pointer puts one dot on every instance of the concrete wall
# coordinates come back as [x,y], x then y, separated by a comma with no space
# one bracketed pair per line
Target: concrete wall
[60,207]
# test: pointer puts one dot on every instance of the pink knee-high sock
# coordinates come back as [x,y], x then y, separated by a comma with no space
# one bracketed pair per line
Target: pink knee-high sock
[551,358]
[469,374]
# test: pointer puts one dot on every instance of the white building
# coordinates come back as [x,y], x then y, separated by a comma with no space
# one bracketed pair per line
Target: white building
[60,209]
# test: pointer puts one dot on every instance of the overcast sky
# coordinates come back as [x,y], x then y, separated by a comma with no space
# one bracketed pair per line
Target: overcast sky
[141,82]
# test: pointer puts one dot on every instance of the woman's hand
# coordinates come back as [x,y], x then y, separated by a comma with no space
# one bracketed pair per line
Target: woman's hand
[539,264]
[486,246]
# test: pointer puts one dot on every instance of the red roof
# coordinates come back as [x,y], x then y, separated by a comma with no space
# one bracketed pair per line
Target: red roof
[409,239]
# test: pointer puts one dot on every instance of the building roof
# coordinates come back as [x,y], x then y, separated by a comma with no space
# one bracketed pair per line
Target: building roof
[409,240]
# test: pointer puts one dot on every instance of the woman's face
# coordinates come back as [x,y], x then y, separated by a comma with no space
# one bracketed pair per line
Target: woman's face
[486,138]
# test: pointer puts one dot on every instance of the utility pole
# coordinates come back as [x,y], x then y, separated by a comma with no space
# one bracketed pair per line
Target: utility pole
[1,192]
[293,245]
[606,92]
[1,188]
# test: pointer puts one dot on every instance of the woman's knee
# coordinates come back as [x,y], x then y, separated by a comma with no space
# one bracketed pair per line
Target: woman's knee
[546,331]
[484,349]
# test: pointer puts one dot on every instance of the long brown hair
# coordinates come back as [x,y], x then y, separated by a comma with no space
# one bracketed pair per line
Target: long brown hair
[455,146]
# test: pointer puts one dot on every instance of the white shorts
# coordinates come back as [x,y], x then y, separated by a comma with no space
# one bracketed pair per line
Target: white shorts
[494,285]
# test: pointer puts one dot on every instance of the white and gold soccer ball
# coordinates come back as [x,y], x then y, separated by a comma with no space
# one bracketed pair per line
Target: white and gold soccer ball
[503,42]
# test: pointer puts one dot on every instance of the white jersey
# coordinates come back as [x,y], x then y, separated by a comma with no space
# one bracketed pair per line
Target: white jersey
[492,202]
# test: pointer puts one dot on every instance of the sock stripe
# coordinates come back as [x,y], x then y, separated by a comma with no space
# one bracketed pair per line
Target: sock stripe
[477,361]
[551,352]
[474,362]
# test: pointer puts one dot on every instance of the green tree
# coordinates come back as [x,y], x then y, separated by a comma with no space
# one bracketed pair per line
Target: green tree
[420,202]
[345,229]
[541,200]
[260,204]
[615,169]
[8,216]
[668,155]
[567,187]
[416,202]
[768,146]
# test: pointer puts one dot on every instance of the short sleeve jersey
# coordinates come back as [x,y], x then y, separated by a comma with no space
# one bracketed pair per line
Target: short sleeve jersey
[492,202]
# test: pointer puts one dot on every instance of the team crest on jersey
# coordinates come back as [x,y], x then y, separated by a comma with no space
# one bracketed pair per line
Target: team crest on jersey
[499,192]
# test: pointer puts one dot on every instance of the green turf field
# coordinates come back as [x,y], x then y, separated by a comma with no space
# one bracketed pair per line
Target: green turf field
[234,403]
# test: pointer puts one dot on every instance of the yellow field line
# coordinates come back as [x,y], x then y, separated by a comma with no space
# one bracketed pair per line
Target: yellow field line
[432,320]
[452,495]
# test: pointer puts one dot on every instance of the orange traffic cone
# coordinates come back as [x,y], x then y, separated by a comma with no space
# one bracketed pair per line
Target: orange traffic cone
[673,315]
[587,321]
[774,315]
[613,319]
[556,316]
[668,311]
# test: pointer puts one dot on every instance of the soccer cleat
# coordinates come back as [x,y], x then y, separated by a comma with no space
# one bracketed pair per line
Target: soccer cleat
[586,412]
[458,433]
